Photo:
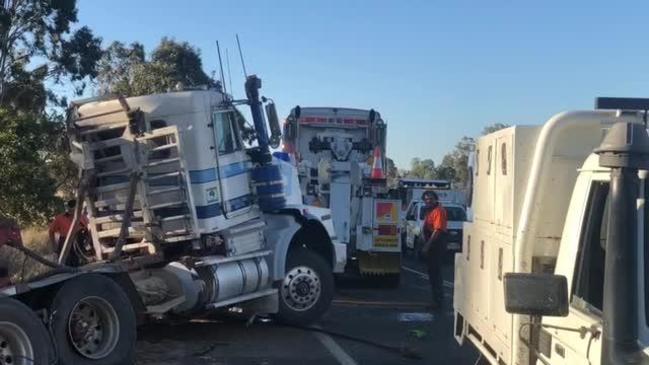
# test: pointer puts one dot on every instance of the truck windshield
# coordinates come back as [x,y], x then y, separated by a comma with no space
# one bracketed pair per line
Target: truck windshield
[588,290]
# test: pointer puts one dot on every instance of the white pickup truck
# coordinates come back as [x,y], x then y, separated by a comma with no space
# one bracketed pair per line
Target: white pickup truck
[554,267]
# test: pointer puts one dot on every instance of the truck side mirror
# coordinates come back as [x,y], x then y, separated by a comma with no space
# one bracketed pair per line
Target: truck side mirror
[273,122]
[536,294]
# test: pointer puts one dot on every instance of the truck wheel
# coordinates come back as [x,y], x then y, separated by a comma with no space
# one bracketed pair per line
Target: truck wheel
[23,337]
[307,289]
[93,322]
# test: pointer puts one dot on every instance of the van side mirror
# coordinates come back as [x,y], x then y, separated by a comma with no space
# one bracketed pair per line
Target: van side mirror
[273,122]
[536,294]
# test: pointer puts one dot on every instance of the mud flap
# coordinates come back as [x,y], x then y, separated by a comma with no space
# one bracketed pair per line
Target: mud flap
[379,263]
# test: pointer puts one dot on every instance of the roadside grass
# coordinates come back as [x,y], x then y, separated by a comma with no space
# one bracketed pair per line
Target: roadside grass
[21,268]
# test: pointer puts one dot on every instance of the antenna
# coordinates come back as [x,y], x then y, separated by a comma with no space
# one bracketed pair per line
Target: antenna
[243,64]
[218,50]
[227,60]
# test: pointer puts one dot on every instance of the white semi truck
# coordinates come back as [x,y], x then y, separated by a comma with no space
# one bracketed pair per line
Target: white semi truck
[334,149]
[183,219]
[554,266]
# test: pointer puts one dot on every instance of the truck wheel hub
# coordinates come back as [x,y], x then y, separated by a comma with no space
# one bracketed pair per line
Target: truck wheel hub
[301,288]
[93,328]
[15,347]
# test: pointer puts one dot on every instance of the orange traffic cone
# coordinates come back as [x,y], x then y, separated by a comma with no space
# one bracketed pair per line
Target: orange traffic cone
[377,166]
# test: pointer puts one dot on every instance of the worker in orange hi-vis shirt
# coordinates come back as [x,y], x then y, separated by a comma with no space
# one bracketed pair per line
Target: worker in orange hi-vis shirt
[434,245]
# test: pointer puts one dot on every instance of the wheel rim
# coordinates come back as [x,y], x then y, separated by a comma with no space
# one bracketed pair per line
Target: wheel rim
[301,288]
[93,328]
[15,346]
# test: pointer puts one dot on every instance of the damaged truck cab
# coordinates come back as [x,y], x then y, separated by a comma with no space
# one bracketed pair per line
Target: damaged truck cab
[184,216]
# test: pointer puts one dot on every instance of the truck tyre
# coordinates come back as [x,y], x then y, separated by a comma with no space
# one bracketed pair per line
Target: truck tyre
[23,337]
[307,289]
[93,322]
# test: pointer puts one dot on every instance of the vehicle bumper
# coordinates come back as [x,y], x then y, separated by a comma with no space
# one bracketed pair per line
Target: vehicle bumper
[454,241]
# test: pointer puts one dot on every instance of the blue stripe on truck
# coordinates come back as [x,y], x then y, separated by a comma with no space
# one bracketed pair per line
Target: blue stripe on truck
[208,211]
[214,210]
[209,175]
[202,176]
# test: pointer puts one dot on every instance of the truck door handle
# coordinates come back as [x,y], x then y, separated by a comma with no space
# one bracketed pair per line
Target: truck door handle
[560,350]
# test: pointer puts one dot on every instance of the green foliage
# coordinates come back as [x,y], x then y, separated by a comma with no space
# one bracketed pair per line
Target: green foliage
[184,62]
[422,169]
[35,33]
[38,48]
[27,187]
[454,165]
[124,69]
[494,127]
[391,172]
[79,56]
[117,67]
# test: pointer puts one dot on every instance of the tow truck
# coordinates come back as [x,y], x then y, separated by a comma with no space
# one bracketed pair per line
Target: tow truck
[339,153]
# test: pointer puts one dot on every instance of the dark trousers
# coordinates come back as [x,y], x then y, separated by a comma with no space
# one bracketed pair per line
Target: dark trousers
[72,259]
[434,260]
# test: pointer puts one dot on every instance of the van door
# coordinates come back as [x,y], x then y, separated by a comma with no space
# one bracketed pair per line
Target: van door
[411,225]
[567,345]
[232,164]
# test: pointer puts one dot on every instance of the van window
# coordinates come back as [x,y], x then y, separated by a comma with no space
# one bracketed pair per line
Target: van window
[489,153]
[227,138]
[588,282]
[477,162]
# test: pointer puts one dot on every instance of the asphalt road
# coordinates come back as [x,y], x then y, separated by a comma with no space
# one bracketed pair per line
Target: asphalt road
[395,321]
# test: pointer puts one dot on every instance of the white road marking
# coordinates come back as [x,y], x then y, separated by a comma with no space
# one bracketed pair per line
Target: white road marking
[447,283]
[334,349]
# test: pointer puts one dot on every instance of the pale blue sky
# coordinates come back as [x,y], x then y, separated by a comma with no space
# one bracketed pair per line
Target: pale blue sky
[436,70]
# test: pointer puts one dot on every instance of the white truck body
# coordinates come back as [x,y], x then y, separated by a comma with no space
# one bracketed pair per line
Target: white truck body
[333,148]
[214,186]
[532,189]
[183,218]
